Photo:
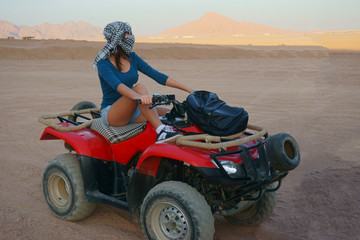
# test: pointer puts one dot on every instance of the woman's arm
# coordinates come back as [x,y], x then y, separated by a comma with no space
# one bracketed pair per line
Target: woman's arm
[158,76]
[128,92]
[175,84]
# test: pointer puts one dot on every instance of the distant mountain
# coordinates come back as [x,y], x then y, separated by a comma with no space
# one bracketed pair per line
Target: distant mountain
[210,25]
[214,24]
[8,29]
[214,28]
[70,30]
[211,28]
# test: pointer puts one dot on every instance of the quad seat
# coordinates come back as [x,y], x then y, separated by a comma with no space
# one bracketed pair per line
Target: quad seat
[117,134]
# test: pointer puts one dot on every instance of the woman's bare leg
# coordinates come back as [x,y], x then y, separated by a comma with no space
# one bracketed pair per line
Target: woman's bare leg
[124,108]
[150,115]
[121,112]
[162,111]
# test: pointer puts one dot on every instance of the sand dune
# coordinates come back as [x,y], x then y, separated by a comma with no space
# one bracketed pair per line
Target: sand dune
[310,92]
[79,50]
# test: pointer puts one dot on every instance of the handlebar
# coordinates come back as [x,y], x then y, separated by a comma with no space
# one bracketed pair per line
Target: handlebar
[158,99]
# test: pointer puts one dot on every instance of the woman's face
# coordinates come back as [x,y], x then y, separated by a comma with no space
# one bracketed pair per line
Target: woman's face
[127,34]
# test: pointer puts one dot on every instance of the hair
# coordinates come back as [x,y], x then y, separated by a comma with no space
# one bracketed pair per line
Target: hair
[120,53]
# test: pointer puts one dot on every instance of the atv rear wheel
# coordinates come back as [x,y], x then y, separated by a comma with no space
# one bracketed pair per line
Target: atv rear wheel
[256,213]
[81,106]
[63,189]
[174,210]
[283,152]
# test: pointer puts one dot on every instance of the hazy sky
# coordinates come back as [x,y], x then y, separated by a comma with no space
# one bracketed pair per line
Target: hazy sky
[155,16]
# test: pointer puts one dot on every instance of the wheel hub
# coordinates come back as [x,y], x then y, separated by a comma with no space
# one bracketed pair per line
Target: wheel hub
[171,220]
[59,190]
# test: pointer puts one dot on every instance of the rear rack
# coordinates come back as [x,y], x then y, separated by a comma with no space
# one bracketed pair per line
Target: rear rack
[76,125]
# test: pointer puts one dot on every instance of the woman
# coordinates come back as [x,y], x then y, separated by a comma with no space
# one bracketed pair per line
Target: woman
[118,70]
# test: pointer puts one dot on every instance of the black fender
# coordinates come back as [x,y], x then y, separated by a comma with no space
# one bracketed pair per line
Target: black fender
[140,184]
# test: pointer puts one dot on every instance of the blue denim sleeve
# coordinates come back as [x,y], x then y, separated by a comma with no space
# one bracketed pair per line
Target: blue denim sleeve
[146,69]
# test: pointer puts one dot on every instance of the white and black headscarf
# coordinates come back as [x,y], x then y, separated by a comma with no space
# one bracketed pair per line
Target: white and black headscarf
[114,34]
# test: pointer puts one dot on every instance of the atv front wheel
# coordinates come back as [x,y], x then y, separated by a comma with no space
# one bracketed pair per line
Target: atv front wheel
[63,189]
[256,213]
[174,210]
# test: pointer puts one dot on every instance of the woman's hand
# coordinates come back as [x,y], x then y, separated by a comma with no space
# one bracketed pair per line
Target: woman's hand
[146,99]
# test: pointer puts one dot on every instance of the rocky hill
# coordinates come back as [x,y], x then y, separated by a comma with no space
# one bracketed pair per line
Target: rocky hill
[214,28]
[214,24]
[211,28]
[70,30]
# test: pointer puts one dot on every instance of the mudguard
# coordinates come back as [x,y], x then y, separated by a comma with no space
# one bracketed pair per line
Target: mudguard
[150,159]
[196,157]
[85,142]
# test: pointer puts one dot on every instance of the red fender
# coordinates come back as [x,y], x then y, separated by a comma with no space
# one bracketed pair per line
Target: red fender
[197,157]
[85,142]
[150,159]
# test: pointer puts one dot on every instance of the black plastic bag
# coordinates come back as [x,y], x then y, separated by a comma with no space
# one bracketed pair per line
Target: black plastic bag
[213,115]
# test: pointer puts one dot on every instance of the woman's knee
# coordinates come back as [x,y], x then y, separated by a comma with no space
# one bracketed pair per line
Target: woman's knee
[140,88]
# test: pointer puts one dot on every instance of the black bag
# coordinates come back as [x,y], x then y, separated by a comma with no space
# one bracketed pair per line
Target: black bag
[213,115]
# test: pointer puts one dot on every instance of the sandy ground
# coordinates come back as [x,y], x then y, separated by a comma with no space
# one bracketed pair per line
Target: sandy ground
[314,97]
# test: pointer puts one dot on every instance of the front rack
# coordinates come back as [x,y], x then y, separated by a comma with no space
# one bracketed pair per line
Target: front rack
[207,141]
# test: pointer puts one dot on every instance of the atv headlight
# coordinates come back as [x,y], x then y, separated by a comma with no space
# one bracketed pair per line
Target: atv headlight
[232,168]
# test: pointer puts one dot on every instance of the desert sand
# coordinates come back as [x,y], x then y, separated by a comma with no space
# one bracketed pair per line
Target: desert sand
[310,92]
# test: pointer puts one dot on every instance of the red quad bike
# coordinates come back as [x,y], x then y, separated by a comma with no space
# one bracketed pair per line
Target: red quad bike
[173,189]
